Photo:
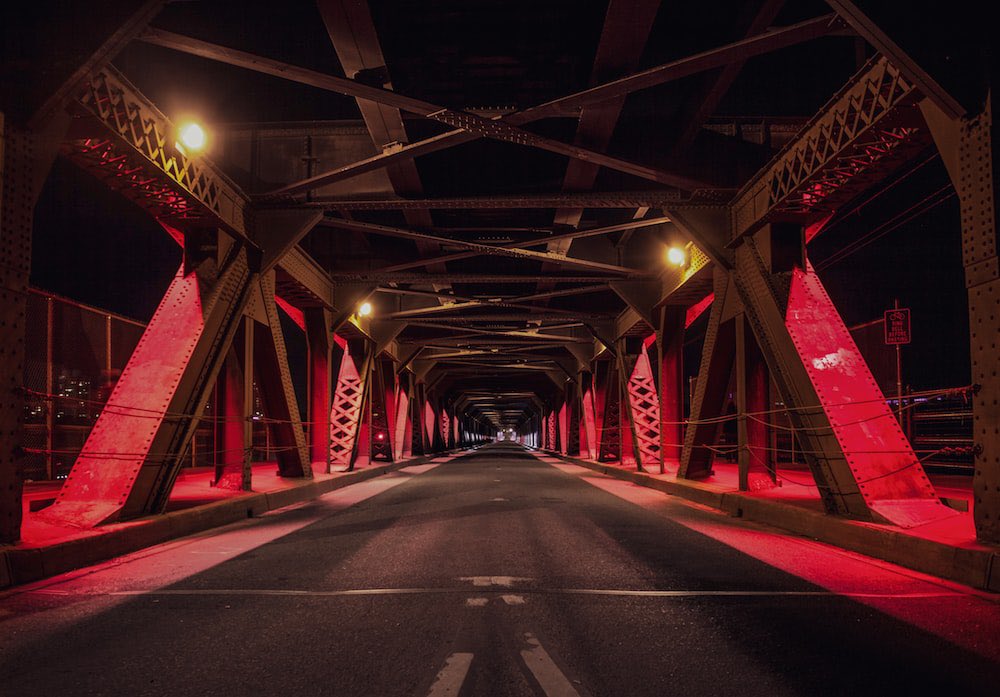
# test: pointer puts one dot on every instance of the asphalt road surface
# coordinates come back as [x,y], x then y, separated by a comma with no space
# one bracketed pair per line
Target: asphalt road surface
[497,573]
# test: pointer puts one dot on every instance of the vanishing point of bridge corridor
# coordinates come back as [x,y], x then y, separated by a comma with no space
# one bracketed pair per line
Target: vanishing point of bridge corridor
[500,572]
[499,347]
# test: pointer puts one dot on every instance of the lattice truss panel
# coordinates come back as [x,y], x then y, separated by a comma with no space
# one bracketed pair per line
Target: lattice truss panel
[345,413]
[143,149]
[550,431]
[645,405]
[857,136]
[444,425]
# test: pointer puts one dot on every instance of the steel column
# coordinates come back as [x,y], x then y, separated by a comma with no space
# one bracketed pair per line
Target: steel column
[234,394]
[17,202]
[274,381]
[320,342]
[968,150]
[670,342]
[708,398]
[755,463]
[860,458]
[133,454]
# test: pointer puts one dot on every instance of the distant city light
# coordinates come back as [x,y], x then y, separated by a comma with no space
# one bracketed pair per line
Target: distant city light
[365,309]
[192,137]
[677,256]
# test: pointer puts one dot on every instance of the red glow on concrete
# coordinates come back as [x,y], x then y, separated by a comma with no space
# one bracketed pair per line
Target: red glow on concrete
[696,310]
[294,313]
[868,581]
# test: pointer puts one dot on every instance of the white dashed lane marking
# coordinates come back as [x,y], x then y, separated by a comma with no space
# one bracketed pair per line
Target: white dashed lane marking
[449,680]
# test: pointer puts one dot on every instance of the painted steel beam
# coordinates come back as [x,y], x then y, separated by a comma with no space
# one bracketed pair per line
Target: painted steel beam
[465,121]
[569,105]
[609,199]
[968,149]
[133,454]
[883,43]
[707,60]
[714,371]
[718,85]
[863,130]
[861,460]
[550,241]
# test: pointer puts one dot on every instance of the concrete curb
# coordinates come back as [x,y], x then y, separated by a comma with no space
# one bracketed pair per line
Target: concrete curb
[979,568]
[20,565]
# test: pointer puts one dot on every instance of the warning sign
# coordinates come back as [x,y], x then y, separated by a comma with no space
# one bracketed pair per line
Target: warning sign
[897,326]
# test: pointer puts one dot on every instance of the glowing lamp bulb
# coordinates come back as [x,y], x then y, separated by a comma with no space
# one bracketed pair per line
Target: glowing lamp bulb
[193,137]
[676,256]
[380,436]
[365,309]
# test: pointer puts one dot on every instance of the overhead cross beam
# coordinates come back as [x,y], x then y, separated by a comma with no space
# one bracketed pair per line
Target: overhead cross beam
[472,124]
[480,248]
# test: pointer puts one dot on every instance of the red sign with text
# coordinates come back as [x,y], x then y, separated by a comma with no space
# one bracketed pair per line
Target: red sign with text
[897,326]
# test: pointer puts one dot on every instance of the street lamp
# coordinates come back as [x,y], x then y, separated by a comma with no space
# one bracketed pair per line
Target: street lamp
[677,256]
[191,137]
[365,309]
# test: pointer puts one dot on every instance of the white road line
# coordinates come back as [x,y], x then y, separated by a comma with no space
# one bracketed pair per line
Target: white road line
[449,680]
[610,592]
[546,672]
[513,599]
[476,602]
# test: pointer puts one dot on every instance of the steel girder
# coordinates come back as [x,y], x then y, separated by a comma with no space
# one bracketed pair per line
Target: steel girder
[17,203]
[133,453]
[234,390]
[274,380]
[158,173]
[608,408]
[708,398]
[755,461]
[319,337]
[382,378]
[967,147]
[861,133]
[861,460]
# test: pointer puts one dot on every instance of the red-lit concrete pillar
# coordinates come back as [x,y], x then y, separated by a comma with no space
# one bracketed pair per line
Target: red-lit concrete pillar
[320,342]
[756,470]
[607,410]
[234,392]
[671,353]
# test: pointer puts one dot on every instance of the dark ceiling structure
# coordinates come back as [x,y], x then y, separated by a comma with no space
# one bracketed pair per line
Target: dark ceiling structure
[506,197]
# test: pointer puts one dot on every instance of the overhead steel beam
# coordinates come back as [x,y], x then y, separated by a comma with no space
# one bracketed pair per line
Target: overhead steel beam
[718,84]
[522,244]
[569,105]
[379,278]
[690,65]
[610,199]
[862,131]
[874,35]
[481,127]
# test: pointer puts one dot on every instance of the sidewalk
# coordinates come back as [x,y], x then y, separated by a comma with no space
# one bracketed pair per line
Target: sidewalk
[194,506]
[946,548]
